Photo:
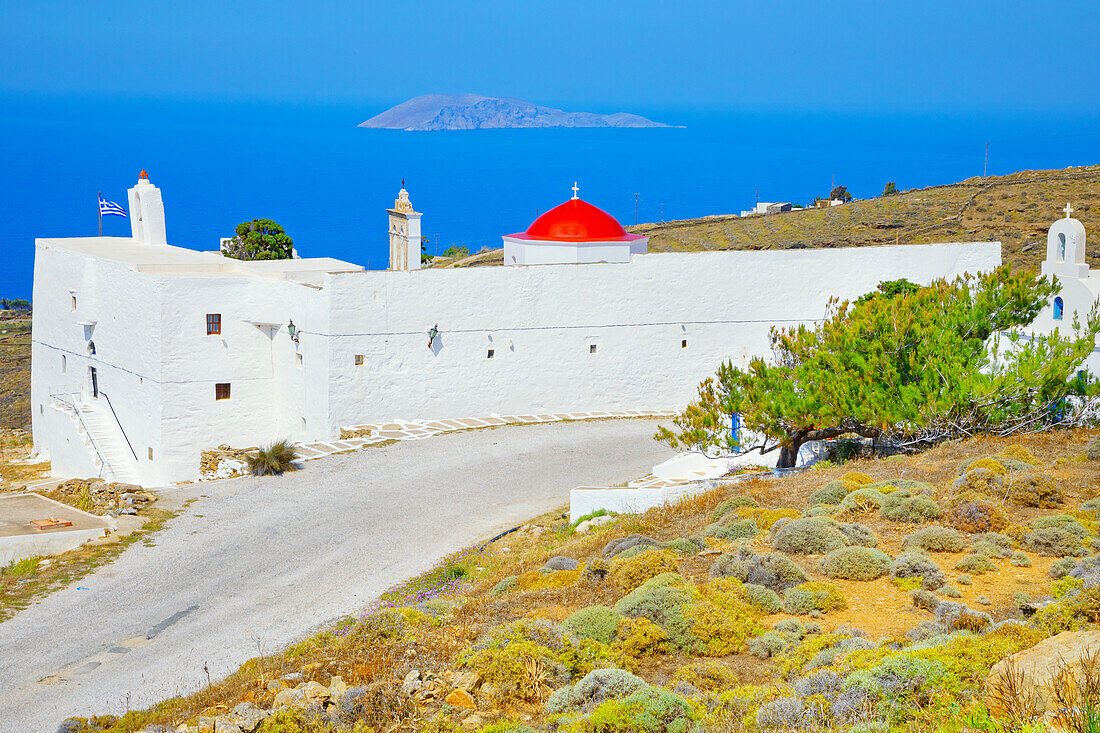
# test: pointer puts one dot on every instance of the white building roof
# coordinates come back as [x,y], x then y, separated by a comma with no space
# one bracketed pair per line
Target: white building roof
[168,260]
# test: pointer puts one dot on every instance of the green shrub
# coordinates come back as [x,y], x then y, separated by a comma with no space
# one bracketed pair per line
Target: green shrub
[1034,489]
[595,622]
[273,460]
[1002,464]
[975,564]
[1054,542]
[975,516]
[1065,521]
[900,506]
[856,563]
[506,667]
[708,675]
[813,596]
[858,534]
[592,689]
[924,599]
[920,566]
[761,598]
[1060,568]
[664,600]
[934,539]
[821,510]
[981,480]
[647,710]
[737,530]
[857,477]
[722,620]
[809,536]
[989,549]
[509,583]
[832,492]
[640,637]
[1020,559]
[687,545]
[863,501]
[771,643]
[730,505]
[769,569]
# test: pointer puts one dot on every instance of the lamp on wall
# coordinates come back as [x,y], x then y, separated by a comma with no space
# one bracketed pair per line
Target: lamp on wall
[292,330]
[432,333]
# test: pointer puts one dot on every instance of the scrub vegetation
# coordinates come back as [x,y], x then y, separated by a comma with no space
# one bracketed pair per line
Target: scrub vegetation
[811,623]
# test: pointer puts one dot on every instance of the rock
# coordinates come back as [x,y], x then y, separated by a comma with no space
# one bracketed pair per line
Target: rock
[467,681]
[473,722]
[337,687]
[589,524]
[1039,666]
[411,683]
[301,696]
[247,717]
[560,563]
[461,699]
[278,686]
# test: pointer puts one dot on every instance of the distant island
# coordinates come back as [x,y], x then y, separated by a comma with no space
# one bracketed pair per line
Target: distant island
[431,112]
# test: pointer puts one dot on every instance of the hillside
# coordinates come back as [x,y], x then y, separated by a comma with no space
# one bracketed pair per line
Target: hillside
[1015,209]
[15,369]
[874,595]
[435,112]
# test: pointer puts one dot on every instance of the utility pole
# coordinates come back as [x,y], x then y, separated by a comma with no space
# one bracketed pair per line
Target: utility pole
[985,168]
[636,195]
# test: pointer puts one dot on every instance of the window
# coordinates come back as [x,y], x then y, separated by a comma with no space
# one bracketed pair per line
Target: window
[213,323]
[1058,309]
[358,360]
[683,343]
[592,348]
[150,453]
[221,391]
[64,363]
[299,360]
[73,296]
[1061,246]
[490,354]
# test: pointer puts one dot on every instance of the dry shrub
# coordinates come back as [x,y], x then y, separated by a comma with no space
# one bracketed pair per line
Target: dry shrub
[976,517]
[640,637]
[1012,695]
[1034,489]
[1020,453]
[1076,691]
[765,518]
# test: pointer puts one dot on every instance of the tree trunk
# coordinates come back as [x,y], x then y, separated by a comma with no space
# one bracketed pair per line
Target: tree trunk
[788,454]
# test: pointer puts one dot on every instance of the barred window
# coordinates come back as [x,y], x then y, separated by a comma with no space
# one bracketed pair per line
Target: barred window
[213,323]
[221,391]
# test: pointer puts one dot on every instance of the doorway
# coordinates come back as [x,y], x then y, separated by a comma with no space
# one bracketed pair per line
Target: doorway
[95,383]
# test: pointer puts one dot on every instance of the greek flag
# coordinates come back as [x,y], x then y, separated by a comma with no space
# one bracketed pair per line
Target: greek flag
[110,208]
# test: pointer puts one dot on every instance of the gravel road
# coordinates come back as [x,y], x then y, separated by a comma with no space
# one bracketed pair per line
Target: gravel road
[257,563]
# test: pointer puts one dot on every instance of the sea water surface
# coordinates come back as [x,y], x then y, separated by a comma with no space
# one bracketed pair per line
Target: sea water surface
[329,182]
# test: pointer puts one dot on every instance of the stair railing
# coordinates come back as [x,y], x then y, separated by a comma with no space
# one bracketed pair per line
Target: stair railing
[117,422]
[70,406]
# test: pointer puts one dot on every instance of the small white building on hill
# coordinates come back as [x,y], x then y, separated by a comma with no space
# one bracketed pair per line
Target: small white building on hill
[146,354]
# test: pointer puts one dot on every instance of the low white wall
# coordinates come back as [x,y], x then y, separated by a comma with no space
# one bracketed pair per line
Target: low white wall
[585,500]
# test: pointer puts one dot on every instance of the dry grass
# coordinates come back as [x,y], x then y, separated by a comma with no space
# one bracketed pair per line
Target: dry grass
[15,369]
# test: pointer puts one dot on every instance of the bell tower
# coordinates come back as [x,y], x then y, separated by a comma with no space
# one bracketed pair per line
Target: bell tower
[404,233]
[146,212]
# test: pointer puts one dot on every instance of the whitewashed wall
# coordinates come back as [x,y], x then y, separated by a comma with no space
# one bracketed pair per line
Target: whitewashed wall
[541,322]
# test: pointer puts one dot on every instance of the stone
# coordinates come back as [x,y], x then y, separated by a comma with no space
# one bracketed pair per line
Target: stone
[614,547]
[467,681]
[460,699]
[301,696]
[590,524]
[560,563]
[473,722]
[1039,666]
[247,717]
[337,687]
[411,683]
[278,686]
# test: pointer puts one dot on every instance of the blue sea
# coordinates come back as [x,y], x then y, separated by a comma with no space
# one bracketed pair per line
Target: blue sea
[329,182]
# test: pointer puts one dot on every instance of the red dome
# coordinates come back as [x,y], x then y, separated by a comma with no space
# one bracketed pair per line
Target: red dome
[577,221]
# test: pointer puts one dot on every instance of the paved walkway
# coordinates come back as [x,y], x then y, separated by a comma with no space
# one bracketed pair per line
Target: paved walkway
[259,562]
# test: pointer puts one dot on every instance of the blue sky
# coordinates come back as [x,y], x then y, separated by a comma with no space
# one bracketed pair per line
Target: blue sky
[636,55]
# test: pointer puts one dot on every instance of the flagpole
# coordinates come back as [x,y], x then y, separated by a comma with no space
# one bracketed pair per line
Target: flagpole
[100,209]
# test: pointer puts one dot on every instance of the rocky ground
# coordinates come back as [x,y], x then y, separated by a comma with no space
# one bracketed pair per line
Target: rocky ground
[945,591]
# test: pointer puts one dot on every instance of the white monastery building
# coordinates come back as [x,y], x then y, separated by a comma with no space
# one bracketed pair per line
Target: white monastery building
[146,354]
[1079,286]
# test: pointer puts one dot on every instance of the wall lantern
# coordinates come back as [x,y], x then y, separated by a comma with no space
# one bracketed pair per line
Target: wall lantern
[293,331]
[432,333]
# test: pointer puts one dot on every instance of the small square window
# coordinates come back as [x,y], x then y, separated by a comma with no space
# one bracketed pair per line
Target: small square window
[491,353]
[221,391]
[213,323]
[592,348]
[358,360]
[684,344]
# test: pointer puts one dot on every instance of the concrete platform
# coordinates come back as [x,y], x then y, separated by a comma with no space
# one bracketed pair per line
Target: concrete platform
[20,539]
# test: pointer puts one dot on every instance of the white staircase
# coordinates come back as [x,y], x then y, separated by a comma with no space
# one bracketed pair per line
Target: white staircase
[96,424]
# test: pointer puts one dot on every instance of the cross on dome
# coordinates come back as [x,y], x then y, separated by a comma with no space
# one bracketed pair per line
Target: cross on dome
[1069,210]
[575,189]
